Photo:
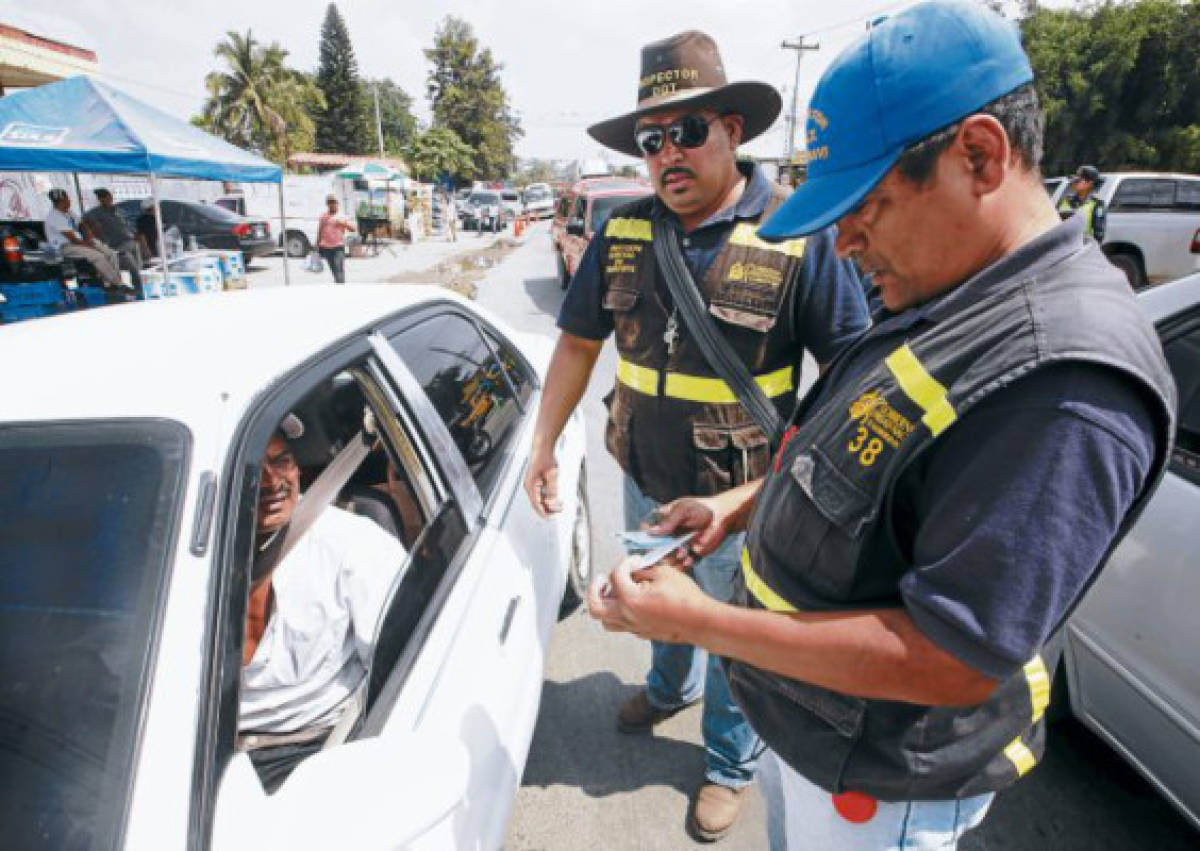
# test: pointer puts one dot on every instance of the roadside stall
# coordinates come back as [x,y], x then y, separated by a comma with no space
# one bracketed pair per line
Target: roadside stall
[375,212]
[82,125]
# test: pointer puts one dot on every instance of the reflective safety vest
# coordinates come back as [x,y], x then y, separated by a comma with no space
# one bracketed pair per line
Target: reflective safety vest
[1089,209]
[818,538]
[675,426]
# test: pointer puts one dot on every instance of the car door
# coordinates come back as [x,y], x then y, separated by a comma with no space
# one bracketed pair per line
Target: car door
[479,674]
[1135,673]
[575,243]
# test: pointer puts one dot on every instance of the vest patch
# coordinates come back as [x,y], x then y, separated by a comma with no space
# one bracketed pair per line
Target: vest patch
[746,234]
[879,424]
[753,273]
[638,229]
[623,257]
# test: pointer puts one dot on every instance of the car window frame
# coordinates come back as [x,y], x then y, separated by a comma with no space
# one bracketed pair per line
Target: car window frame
[1178,324]
[225,609]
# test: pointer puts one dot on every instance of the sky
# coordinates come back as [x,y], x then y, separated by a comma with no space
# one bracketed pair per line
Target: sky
[567,63]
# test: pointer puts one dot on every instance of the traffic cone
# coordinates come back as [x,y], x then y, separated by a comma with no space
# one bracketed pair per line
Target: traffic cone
[519,226]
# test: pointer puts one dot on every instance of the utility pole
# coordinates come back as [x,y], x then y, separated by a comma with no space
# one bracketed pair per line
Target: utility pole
[378,123]
[799,47]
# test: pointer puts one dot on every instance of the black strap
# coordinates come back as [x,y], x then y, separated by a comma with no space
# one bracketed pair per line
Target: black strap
[721,356]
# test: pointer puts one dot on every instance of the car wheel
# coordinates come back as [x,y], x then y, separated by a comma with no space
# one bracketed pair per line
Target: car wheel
[1132,267]
[580,567]
[296,244]
[564,277]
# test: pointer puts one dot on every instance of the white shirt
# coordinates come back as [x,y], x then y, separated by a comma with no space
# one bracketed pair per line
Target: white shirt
[330,591]
[57,223]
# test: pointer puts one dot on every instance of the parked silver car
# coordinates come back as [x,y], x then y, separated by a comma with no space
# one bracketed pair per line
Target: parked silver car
[1131,670]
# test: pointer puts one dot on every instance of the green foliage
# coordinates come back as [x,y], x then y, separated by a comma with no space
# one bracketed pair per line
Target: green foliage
[439,151]
[467,97]
[343,125]
[1120,84]
[257,102]
[395,115]
[536,171]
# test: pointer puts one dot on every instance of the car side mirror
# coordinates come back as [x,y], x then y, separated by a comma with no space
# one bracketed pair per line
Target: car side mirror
[345,797]
[575,227]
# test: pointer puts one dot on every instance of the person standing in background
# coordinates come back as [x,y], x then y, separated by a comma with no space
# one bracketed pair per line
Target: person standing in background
[331,238]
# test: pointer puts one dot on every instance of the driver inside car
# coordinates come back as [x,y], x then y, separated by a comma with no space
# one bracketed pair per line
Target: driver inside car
[310,620]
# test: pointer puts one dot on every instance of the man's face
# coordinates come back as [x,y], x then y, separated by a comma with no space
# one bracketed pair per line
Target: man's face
[910,237]
[691,180]
[105,200]
[332,206]
[279,487]
[63,204]
[1083,186]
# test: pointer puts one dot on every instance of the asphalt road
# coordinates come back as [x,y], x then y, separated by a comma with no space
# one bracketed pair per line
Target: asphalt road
[586,786]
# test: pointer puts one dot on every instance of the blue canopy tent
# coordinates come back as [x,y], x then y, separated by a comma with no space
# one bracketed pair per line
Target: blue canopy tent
[83,125]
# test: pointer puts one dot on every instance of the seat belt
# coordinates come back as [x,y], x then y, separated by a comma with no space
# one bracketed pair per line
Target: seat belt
[720,355]
[332,479]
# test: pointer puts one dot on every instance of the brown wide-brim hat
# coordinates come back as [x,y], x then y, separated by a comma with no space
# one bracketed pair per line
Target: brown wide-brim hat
[685,70]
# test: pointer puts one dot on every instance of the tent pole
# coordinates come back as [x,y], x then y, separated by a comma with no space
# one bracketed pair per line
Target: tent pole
[158,223]
[287,278]
[78,194]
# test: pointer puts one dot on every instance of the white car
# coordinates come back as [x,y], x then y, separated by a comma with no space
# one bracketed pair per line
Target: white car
[131,441]
[1130,669]
[539,200]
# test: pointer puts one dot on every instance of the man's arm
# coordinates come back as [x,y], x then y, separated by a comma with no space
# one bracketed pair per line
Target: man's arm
[570,368]
[872,653]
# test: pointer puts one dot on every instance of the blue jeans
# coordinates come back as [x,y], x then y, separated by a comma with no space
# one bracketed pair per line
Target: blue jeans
[802,815]
[680,673]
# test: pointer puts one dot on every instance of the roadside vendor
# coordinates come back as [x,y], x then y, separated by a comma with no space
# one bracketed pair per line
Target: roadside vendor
[105,224]
[64,233]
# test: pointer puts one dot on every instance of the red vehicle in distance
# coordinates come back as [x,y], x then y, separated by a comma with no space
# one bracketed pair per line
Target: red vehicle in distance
[582,212]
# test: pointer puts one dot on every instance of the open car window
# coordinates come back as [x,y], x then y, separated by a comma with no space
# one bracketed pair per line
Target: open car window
[88,512]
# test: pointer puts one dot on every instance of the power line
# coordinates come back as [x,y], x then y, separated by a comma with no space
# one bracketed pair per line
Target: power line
[799,47]
[860,19]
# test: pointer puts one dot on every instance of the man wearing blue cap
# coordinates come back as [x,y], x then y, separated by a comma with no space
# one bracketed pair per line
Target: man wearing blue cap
[948,490]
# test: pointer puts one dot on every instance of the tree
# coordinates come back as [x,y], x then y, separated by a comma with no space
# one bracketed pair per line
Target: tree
[438,153]
[257,102]
[537,171]
[467,97]
[395,114]
[1119,84]
[343,125]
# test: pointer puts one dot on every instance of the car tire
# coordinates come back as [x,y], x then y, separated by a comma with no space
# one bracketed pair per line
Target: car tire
[579,569]
[1132,267]
[564,277]
[296,244]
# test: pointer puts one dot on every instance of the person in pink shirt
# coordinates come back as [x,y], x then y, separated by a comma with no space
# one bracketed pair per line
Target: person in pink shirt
[331,238]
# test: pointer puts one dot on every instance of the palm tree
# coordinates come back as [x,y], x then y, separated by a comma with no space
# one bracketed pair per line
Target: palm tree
[257,101]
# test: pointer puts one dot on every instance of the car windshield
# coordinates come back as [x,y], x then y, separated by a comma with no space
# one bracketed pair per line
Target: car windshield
[87,512]
[602,208]
[510,196]
[485,198]
[216,213]
[537,195]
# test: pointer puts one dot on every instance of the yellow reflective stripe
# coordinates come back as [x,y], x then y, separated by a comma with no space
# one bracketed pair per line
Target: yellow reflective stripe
[696,388]
[628,229]
[636,377]
[922,388]
[760,590]
[1039,686]
[1020,756]
[746,234]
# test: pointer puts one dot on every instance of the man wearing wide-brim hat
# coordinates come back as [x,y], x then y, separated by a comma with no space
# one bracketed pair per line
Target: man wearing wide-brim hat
[950,488]
[675,426]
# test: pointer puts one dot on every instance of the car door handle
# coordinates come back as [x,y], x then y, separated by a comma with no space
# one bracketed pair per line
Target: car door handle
[508,618]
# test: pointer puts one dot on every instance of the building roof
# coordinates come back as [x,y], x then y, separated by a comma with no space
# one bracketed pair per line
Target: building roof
[332,162]
[30,59]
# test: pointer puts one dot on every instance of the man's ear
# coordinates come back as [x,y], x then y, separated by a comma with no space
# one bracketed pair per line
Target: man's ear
[987,150]
[733,126]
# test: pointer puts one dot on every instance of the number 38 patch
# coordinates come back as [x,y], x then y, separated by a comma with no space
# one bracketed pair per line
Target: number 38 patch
[879,426]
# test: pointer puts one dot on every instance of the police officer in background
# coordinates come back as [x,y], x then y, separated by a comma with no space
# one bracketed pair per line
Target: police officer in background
[1082,199]
[951,485]
[675,427]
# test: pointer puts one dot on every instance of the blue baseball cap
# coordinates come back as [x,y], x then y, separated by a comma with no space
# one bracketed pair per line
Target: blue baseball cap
[909,76]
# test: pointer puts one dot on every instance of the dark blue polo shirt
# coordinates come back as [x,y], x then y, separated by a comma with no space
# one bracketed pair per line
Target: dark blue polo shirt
[1007,516]
[828,310]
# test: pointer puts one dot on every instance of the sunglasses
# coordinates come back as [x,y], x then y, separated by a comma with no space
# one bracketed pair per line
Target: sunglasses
[691,131]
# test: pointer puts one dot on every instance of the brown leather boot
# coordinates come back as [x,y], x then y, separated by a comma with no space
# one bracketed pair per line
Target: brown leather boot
[638,715]
[716,811]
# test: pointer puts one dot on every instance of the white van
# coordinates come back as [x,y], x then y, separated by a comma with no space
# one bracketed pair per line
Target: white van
[304,202]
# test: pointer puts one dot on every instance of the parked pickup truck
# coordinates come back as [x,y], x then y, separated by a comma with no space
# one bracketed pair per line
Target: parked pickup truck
[582,212]
[1153,223]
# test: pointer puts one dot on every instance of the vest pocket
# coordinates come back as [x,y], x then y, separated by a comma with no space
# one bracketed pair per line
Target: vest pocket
[727,456]
[621,299]
[839,500]
[617,430]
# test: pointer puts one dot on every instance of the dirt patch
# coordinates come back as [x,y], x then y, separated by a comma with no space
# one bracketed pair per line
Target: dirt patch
[461,273]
